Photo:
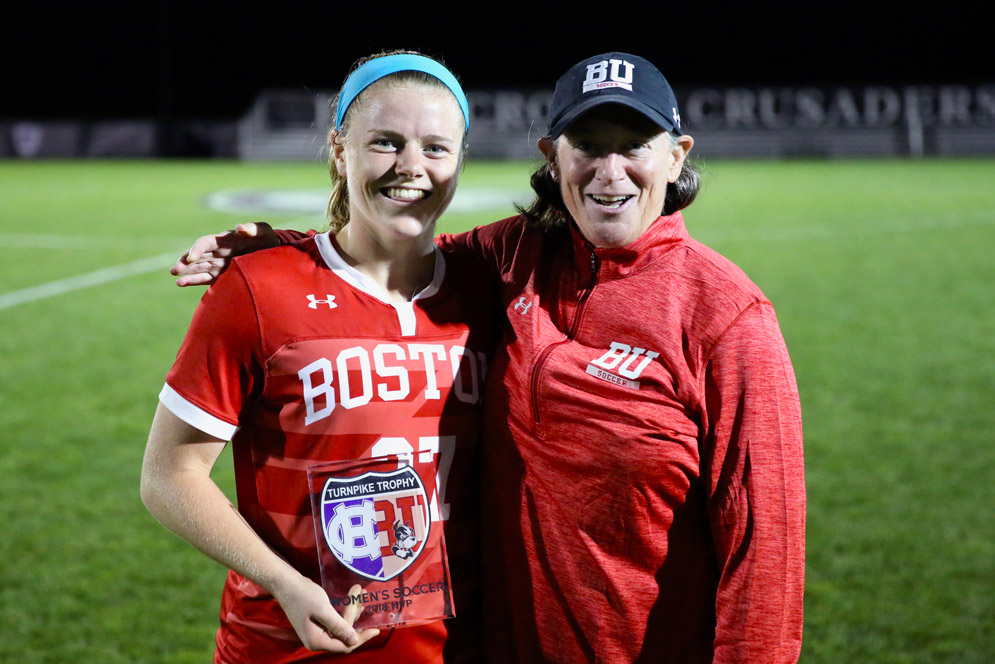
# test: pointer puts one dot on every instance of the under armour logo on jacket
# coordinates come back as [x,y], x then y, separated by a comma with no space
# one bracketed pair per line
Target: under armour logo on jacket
[313,302]
[521,307]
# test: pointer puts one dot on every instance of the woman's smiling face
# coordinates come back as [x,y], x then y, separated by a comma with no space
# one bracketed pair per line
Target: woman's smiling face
[401,157]
[613,165]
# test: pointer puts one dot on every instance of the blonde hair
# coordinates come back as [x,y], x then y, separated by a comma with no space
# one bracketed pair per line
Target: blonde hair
[338,202]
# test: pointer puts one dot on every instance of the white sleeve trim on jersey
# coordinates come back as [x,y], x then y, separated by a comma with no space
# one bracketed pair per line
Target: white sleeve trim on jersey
[194,415]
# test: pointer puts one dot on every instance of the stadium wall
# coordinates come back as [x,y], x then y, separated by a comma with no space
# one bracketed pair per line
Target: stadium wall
[782,122]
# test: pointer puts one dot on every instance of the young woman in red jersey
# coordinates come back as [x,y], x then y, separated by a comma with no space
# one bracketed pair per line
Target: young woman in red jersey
[643,476]
[352,344]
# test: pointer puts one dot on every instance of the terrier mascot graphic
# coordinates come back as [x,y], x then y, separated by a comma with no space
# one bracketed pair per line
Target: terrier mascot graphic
[404,536]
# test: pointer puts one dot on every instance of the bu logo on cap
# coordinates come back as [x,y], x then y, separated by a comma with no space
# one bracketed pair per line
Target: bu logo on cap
[609,74]
[376,524]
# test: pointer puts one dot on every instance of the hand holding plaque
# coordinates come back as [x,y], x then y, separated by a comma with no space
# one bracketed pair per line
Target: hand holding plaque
[373,524]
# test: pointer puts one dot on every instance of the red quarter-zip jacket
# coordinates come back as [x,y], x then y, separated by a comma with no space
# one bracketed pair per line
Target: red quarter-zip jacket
[643,479]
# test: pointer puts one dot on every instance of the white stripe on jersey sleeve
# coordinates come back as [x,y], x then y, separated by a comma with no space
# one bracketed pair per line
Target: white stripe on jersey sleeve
[194,416]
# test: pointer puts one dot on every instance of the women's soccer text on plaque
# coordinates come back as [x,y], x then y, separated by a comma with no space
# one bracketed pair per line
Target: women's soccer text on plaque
[373,524]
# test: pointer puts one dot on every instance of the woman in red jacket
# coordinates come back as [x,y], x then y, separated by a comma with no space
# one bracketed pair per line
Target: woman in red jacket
[643,493]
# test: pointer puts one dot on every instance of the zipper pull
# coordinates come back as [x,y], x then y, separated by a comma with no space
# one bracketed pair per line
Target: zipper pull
[594,263]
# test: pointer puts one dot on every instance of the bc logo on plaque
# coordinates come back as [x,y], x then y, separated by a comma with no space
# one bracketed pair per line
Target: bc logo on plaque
[373,528]
[376,524]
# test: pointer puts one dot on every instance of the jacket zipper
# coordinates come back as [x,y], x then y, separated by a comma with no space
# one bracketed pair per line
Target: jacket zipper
[574,328]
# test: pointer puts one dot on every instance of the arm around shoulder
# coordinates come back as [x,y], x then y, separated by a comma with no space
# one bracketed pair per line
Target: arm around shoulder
[491,245]
[210,255]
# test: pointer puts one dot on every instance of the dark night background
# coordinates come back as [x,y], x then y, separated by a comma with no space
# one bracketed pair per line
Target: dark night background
[173,60]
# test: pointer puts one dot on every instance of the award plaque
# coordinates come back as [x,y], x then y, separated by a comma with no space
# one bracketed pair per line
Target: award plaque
[372,521]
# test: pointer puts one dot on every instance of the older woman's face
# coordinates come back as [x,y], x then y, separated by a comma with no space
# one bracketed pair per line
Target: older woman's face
[613,165]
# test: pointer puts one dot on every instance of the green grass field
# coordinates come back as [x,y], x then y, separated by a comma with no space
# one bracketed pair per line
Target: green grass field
[882,273]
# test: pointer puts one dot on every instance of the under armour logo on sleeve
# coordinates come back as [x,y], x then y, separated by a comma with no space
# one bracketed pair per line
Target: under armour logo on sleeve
[313,302]
[521,307]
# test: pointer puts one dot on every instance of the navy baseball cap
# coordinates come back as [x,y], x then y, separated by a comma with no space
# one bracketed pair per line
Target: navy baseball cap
[613,78]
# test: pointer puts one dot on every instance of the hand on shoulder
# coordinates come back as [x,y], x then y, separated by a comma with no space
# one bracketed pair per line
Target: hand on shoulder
[210,255]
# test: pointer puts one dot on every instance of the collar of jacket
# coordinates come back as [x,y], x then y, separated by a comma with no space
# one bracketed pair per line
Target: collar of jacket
[664,235]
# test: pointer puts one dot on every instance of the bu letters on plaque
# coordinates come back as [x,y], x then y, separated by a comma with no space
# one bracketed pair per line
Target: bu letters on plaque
[373,525]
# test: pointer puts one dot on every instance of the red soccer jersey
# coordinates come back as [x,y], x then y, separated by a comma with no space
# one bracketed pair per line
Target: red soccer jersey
[298,359]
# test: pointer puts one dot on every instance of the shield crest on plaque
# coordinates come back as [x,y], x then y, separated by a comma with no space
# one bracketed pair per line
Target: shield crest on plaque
[376,524]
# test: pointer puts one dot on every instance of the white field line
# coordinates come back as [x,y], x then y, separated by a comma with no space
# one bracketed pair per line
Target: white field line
[81,281]
[84,242]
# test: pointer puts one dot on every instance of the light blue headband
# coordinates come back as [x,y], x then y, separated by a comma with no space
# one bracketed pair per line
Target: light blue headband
[377,68]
